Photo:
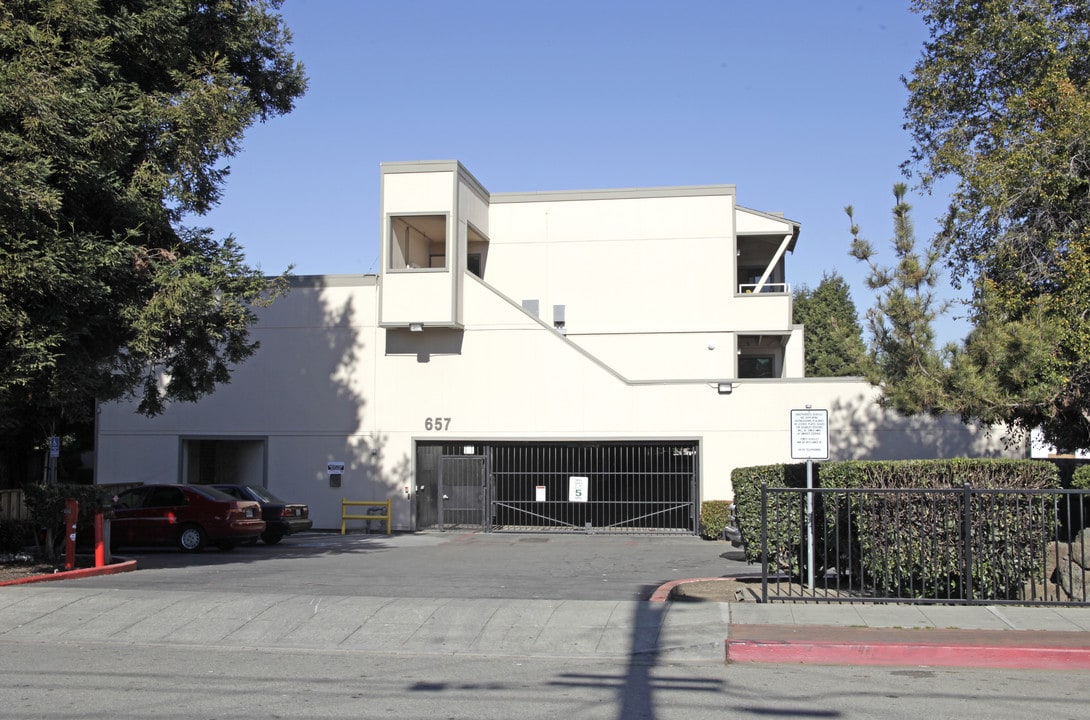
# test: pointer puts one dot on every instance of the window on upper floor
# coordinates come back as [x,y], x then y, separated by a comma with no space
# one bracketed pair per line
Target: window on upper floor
[417,242]
[476,251]
[756,366]
[760,356]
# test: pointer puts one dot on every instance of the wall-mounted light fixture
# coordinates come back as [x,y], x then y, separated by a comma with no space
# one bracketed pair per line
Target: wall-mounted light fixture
[416,327]
[725,388]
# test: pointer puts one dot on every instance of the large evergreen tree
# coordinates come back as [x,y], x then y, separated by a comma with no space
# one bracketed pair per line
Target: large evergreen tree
[999,103]
[116,117]
[834,339]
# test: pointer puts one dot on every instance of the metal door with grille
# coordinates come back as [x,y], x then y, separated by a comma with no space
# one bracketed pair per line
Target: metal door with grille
[462,492]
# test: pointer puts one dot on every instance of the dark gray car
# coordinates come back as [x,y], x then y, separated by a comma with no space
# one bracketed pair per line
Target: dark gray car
[281,517]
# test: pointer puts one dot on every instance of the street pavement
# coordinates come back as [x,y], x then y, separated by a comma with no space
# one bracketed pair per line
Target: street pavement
[545,596]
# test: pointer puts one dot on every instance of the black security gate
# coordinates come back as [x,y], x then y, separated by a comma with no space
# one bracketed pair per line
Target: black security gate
[462,492]
[607,487]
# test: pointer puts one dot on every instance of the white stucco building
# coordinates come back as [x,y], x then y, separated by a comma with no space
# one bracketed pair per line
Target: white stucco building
[517,349]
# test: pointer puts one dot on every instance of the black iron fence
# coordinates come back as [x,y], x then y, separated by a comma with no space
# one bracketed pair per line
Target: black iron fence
[951,545]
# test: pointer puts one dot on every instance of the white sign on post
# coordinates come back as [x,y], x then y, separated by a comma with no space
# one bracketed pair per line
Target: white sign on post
[810,434]
[809,442]
[577,488]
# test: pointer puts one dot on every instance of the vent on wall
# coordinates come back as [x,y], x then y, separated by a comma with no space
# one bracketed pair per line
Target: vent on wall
[558,317]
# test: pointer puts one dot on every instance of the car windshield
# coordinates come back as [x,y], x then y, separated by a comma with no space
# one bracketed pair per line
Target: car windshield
[212,493]
[264,495]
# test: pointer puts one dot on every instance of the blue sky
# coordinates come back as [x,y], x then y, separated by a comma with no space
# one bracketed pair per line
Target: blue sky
[797,103]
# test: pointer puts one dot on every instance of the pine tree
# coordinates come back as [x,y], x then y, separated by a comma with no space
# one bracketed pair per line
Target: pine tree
[834,338]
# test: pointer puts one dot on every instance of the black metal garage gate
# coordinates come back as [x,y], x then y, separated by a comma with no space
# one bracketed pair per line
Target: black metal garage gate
[607,487]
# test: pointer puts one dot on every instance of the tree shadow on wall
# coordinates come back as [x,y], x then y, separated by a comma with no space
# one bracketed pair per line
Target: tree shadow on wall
[860,429]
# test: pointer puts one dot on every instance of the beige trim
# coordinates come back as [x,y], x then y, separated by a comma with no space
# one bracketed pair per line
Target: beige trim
[614,194]
[324,281]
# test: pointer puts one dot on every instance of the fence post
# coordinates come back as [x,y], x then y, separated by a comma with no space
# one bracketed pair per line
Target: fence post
[764,542]
[967,499]
[71,515]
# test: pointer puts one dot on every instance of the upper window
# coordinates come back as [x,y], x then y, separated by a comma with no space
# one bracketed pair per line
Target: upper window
[418,242]
[756,366]
[476,251]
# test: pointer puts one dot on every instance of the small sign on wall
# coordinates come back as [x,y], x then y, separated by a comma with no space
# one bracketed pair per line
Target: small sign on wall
[539,493]
[334,470]
[578,488]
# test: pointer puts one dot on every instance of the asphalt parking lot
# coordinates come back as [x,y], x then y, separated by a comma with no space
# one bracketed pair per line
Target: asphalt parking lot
[439,565]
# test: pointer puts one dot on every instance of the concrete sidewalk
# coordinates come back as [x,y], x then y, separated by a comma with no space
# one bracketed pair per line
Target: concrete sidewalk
[891,634]
[631,629]
[519,596]
[639,631]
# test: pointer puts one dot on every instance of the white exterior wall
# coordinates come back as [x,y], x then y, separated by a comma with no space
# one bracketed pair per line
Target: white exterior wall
[652,317]
[658,264]
[330,393]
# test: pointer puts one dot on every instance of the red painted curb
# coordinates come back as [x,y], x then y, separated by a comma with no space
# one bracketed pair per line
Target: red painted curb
[113,569]
[893,653]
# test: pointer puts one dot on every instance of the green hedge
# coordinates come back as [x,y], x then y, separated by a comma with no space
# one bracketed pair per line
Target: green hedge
[783,536]
[714,516]
[45,504]
[905,545]
[913,545]
[15,535]
[1081,479]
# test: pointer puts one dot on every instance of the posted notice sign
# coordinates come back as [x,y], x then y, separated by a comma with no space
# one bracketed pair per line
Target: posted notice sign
[577,488]
[810,434]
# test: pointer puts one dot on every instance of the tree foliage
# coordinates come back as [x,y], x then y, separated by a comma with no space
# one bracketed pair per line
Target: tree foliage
[834,339]
[902,356]
[116,117]
[999,103]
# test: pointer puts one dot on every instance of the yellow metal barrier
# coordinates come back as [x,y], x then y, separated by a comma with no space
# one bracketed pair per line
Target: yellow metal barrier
[345,517]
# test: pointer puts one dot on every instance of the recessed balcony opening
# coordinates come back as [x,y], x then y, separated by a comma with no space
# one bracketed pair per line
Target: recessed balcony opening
[418,242]
[757,254]
[760,356]
[476,251]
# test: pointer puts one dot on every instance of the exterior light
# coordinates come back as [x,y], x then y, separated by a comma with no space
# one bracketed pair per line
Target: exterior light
[416,327]
[726,388]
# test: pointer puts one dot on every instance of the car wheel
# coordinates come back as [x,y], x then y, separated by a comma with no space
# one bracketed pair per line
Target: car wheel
[271,538]
[191,538]
[226,545]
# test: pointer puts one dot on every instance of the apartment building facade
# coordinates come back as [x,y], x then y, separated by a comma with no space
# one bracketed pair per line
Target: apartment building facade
[587,360]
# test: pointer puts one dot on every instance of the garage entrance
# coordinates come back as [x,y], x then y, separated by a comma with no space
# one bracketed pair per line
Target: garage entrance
[601,487]
[224,460]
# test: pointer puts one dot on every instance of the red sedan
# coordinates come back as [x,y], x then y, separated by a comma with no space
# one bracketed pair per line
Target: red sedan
[189,516]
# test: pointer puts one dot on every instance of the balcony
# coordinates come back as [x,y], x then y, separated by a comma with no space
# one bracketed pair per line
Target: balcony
[768,287]
[760,265]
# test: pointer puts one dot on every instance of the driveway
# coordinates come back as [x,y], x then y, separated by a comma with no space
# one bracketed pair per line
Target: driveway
[439,565]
